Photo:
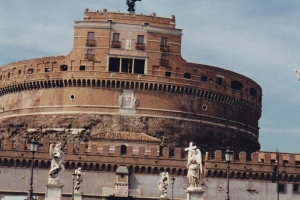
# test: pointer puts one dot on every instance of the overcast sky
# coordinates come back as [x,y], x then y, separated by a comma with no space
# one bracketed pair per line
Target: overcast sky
[259,39]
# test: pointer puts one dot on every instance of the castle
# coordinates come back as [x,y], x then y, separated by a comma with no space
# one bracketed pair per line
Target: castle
[124,96]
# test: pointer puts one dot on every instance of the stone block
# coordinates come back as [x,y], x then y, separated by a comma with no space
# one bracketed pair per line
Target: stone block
[9,144]
[21,146]
[267,158]
[165,152]
[82,148]
[254,158]
[177,153]
[242,157]
[94,149]
[129,151]
[45,147]
[106,150]
[292,160]
[153,152]
[70,148]
[141,152]
[218,155]
[54,192]
[117,150]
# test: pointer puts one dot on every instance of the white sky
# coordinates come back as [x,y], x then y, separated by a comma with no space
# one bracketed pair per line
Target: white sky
[259,39]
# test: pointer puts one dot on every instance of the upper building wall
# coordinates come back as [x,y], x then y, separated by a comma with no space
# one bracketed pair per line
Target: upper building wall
[153,20]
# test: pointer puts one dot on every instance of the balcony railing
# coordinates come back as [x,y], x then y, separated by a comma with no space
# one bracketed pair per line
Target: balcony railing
[89,56]
[140,46]
[90,43]
[115,44]
[164,62]
[164,48]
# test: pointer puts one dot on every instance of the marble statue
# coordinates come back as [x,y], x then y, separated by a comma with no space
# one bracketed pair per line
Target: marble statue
[78,179]
[163,184]
[297,74]
[57,166]
[194,166]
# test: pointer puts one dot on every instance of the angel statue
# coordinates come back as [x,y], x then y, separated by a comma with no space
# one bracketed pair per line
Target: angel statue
[194,166]
[57,166]
[78,179]
[163,184]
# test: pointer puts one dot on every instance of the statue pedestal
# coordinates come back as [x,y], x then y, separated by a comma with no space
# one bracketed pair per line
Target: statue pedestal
[194,193]
[78,196]
[163,197]
[54,192]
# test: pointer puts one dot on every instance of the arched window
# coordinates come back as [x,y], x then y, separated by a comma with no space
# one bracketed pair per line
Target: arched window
[253,92]
[236,85]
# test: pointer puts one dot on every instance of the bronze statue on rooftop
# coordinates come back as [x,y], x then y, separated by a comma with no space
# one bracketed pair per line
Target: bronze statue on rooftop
[131,5]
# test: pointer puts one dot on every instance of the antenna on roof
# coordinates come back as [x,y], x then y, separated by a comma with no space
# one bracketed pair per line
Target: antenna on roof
[131,5]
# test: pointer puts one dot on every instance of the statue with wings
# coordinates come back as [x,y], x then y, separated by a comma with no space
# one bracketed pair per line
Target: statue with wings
[194,166]
[163,184]
[131,5]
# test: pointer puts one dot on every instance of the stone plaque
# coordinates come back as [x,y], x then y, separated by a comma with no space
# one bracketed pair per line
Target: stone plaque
[121,190]
[128,102]
[127,44]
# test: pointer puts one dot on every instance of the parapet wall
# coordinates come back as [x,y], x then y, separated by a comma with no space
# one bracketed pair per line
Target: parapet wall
[260,167]
[17,154]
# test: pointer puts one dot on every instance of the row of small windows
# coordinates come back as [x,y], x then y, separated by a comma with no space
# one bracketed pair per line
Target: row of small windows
[116,43]
[137,66]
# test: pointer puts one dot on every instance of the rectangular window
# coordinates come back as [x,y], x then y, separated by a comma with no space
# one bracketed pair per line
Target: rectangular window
[89,55]
[114,64]
[90,42]
[163,56]
[168,74]
[116,41]
[116,37]
[91,36]
[126,65]
[139,66]
[140,45]
[219,80]
[19,72]
[47,69]
[164,42]
[82,67]
[140,39]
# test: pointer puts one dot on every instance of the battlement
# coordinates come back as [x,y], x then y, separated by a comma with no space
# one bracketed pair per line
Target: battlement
[17,154]
[259,167]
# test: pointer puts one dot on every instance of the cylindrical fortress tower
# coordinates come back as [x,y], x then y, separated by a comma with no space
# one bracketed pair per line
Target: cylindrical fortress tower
[125,73]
